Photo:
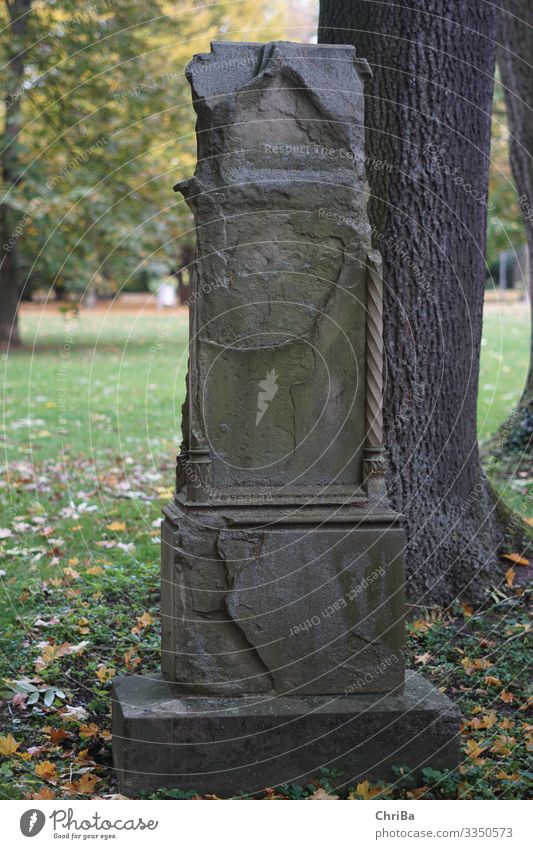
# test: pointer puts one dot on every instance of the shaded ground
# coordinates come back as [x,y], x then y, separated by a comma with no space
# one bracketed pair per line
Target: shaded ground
[90,430]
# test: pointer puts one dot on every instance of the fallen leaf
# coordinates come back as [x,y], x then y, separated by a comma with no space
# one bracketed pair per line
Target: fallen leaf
[423,658]
[364,791]
[474,750]
[503,745]
[47,771]
[117,526]
[506,697]
[94,570]
[8,745]
[421,626]
[36,751]
[131,659]
[505,776]
[492,681]
[46,794]
[104,674]
[59,734]
[322,794]
[470,666]
[145,620]
[486,721]
[510,575]
[90,730]
[87,783]
[517,559]
[416,794]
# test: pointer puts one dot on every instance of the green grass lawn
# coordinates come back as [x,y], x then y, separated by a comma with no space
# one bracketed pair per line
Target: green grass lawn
[91,427]
[504,362]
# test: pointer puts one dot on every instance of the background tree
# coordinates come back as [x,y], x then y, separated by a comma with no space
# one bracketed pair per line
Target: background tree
[515,55]
[102,109]
[428,141]
[12,60]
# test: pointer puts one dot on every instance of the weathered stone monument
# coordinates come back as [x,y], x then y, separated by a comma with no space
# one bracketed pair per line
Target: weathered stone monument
[282,560]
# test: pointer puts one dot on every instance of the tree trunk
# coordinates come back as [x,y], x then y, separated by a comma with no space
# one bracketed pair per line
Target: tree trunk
[18,11]
[515,54]
[428,143]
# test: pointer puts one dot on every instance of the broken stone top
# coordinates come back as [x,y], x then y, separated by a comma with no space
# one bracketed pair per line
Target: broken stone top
[310,95]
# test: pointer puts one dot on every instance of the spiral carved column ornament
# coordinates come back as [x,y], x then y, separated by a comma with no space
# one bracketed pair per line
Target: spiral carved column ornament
[374,458]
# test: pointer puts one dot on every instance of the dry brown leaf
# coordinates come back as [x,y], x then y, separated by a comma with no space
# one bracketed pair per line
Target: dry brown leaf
[322,794]
[506,697]
[45,793]
[423,659]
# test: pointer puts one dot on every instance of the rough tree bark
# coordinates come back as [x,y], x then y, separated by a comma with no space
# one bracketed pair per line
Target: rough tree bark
[515,55]
[18,11]
[428,142]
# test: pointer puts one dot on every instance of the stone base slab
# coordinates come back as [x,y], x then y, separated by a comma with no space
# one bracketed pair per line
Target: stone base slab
[224,746]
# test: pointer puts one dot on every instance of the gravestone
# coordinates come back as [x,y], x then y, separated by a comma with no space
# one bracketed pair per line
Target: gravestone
[282,596]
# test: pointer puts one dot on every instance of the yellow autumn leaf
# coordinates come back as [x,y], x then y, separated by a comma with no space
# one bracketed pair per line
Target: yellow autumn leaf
[116,526]
[8,745]
[492,681]
[517,559]
[474,750]
[506,776]
[506,697]
[94,570]
[145,620]
[74,561]
[510,576]
[421,626]
[104,674]
[470,666]
[486,721]
[364,791]
[87,783]
[503,745]
[90,730]
[46,770]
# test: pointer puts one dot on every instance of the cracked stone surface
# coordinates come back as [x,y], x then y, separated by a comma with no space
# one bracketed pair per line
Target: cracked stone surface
[276,390]
[279,198]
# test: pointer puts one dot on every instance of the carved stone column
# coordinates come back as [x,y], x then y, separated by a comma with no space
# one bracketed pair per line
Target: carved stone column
[282,561]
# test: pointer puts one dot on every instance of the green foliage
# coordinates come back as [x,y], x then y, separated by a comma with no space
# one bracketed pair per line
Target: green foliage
[505,226]
[108,128]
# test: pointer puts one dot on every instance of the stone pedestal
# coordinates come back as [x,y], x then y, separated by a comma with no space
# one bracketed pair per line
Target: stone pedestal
[225,746]
[282,560]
